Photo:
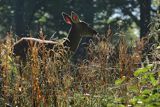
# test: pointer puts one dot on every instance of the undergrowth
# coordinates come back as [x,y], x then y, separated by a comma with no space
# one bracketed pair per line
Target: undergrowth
[111,76]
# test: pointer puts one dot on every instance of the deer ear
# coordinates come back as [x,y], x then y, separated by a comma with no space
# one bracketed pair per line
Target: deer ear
[74,17]
[66,18]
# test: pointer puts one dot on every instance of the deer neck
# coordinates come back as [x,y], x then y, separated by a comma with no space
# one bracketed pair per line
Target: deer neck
[73,41]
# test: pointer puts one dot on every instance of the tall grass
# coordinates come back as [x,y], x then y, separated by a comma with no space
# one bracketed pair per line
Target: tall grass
[48,78]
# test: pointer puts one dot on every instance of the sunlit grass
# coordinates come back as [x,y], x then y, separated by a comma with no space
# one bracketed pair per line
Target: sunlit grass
[49,77]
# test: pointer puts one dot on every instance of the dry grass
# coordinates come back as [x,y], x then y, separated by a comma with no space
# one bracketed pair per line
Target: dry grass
[53,80]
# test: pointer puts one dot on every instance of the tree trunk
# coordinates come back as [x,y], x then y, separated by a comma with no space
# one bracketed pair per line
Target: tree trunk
[145,8]
[19,18]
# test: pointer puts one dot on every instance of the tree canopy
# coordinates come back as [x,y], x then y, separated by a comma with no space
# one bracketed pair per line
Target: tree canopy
[27,16]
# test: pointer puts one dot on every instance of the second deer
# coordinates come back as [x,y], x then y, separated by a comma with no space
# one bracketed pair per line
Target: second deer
[78,30]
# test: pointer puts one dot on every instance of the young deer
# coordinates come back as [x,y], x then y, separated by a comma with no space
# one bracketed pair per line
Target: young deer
[78,30]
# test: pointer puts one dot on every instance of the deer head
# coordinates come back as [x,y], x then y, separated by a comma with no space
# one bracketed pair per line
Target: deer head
[78,30]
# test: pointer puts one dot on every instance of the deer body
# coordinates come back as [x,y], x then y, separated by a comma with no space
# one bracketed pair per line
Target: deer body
[21,47]
[79,29]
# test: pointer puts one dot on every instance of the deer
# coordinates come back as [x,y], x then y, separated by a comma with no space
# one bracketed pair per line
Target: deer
[78,30]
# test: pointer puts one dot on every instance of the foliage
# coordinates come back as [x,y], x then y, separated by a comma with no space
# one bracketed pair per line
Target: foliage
[47,14]
[100,80]
[111,76]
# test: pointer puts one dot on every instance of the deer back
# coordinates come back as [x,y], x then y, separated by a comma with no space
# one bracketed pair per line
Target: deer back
[21,47]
